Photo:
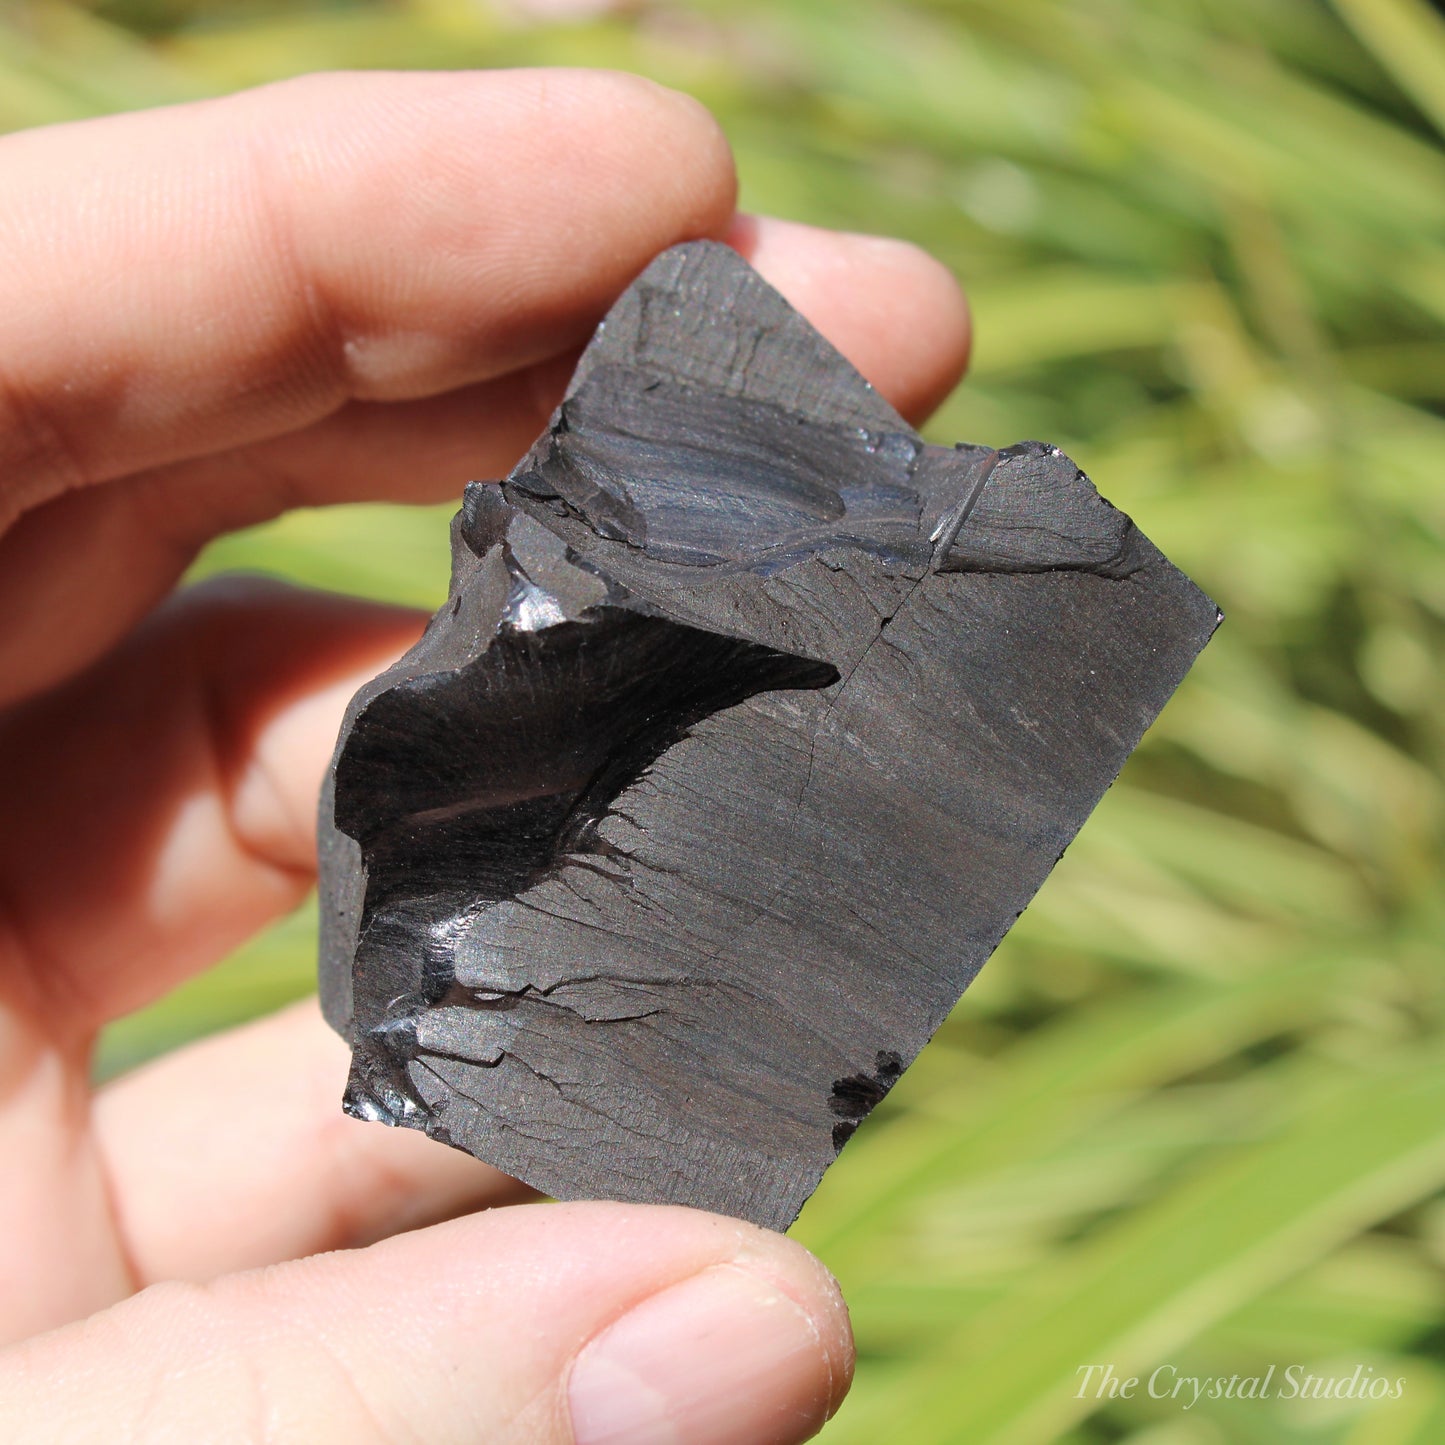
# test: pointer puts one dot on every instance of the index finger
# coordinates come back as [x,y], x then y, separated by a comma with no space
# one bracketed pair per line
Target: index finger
[184,280]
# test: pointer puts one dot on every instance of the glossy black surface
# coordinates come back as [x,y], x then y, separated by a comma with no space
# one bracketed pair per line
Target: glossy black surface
[751,725]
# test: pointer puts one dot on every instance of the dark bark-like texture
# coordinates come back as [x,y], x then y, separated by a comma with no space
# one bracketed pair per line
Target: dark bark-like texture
[750,726]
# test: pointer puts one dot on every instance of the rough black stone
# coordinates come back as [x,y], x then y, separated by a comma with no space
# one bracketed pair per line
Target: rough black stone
[750,726]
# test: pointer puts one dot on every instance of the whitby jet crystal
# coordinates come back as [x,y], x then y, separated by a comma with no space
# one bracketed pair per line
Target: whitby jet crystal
[751,724]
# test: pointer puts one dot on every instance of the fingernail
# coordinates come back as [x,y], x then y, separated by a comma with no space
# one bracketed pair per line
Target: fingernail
[724,1358]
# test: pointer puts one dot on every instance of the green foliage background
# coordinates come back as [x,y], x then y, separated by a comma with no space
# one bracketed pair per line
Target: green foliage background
[1194,1111]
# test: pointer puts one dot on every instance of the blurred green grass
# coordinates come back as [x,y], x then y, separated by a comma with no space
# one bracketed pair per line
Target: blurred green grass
[1192,1113]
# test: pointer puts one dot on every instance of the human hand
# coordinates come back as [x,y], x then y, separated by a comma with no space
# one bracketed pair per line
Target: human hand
[336,289]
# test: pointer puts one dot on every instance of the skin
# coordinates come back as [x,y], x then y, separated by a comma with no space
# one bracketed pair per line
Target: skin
[339,288]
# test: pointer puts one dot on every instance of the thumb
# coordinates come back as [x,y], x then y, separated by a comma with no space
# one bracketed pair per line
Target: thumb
[567,1324]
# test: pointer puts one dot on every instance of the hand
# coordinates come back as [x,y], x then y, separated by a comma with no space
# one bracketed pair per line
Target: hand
[341,288]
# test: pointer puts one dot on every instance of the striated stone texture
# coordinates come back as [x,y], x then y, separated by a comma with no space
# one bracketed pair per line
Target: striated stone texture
[751,724]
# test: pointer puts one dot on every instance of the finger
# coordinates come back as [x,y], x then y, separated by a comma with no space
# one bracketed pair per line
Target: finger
[61,1258]
[234,1153]
[892,310]
[280,251]
[586,1324]
[896,313]
[161,806]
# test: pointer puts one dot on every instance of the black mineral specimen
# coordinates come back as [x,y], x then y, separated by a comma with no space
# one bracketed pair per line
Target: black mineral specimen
[750,726]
